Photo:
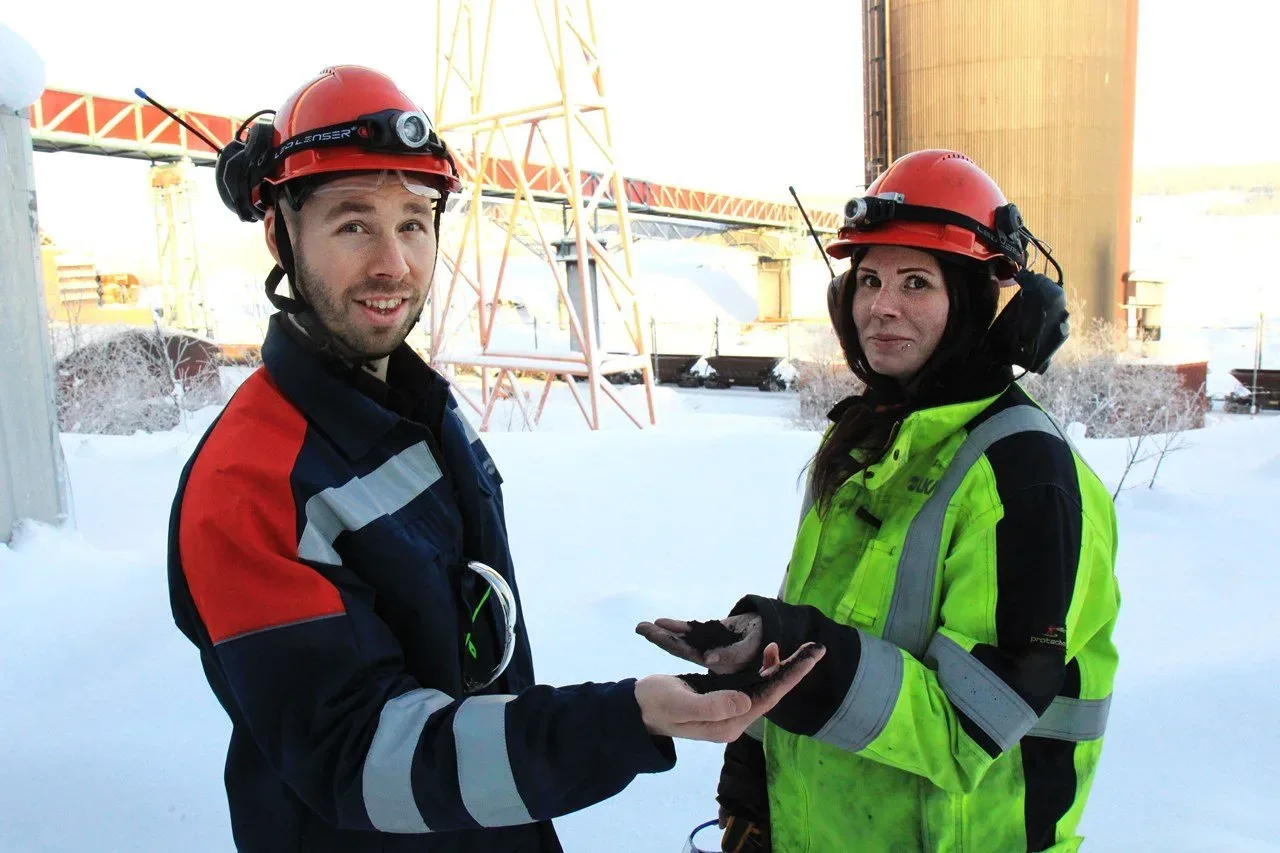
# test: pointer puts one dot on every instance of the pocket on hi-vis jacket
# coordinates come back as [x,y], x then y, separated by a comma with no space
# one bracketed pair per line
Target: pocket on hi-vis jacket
[866,601]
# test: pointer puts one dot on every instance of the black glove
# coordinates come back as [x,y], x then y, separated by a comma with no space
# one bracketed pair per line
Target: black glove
[743,795]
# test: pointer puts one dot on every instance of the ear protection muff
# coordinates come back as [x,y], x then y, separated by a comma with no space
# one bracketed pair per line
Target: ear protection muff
[834,291]
[241,168]
[1035,323]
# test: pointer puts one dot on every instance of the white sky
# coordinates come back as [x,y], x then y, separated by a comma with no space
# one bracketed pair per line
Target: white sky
[702,94]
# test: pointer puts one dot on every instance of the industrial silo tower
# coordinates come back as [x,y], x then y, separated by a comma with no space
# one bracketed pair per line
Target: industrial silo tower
[1040,93]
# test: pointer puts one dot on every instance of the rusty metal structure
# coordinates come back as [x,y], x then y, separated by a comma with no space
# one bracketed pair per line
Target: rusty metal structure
[545,173]
[545,145]
[86,123]
[1040,93]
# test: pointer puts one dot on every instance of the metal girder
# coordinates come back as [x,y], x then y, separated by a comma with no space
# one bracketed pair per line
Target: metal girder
[94,124]
[72,121]
[542,145]
[666,229]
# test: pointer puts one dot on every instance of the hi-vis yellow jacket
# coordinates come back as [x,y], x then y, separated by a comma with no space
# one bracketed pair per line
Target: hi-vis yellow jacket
[964,588]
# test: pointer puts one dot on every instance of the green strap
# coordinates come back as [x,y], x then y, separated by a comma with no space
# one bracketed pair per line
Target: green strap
[471,647]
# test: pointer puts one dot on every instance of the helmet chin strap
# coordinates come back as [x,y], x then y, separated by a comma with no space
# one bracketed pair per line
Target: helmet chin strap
[284,267]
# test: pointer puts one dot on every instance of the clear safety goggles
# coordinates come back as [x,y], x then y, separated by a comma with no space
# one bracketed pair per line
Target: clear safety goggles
[501,590]
[371,182]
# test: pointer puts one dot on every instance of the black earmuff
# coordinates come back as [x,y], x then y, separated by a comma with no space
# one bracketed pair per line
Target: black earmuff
[241,167]
[1035,323]
[834,295]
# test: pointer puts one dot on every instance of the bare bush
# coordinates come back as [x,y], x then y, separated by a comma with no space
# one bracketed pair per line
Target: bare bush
[1146,404]
[822,380]
[1089,383]
[137,379]
[1185,412]
[1082,384]
[1154,413]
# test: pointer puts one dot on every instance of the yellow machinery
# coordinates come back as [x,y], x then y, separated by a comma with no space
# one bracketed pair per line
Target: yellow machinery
[77,293]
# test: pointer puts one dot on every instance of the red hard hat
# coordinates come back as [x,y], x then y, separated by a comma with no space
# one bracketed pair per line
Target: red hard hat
[342,94]
[948,188]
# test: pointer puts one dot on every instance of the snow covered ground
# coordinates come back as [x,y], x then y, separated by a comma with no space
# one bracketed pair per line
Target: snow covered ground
[111,741]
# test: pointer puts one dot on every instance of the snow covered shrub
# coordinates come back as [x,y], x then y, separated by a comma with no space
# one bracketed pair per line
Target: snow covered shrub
[822,379]
[1146,404]
[134,380]
[1081,384]
[1089,384]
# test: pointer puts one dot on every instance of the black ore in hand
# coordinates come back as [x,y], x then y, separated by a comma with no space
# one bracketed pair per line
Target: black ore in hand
[747,680]
[705,636]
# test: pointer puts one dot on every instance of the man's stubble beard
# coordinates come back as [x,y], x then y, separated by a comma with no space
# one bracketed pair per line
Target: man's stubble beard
[332,316]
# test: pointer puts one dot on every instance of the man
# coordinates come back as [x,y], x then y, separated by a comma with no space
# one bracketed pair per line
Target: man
[338,550]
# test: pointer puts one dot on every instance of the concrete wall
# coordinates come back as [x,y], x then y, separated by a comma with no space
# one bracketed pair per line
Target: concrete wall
[32,473]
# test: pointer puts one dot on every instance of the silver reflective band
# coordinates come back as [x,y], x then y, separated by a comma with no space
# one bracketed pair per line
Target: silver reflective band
[361,500]
[808,502]
[507,601]
[909,623]
[472,435]
[387,775]
[981,694]
[1073,719]
[867,706]
[485,780]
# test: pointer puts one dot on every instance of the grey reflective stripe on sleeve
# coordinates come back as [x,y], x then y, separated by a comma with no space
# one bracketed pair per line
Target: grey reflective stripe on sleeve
[1073,719]
[485,779]
[387,775]
[807,503]
[908,624]
[867,706]
[981,694]
[755,731]
[472,435]
[361,500]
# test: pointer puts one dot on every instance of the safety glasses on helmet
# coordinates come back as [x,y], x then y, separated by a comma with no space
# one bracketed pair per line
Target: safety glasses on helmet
[474,682]
[372,182]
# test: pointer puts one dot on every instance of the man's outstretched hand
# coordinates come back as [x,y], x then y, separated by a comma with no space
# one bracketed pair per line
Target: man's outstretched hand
[670,706]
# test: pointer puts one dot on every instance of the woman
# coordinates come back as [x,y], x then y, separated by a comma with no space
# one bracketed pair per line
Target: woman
[955,557]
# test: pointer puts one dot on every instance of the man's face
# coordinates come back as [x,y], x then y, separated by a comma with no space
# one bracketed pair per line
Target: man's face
[365,251]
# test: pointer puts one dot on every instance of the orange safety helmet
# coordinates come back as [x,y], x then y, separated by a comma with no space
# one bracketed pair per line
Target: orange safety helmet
[936,200]
[940,201]
[347,119]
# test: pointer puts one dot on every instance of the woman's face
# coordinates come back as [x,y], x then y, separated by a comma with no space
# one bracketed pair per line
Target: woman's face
[900,306]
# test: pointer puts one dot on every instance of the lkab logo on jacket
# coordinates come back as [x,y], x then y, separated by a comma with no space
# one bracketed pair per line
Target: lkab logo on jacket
[921,485]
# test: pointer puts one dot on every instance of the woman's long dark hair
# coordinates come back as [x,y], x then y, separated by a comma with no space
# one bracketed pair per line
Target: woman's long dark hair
[965,366]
